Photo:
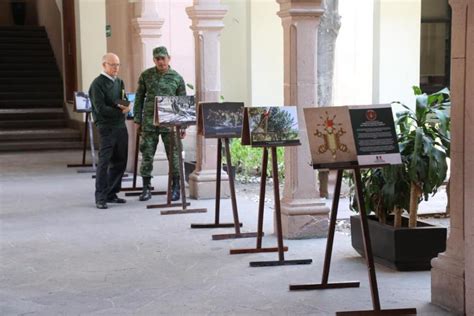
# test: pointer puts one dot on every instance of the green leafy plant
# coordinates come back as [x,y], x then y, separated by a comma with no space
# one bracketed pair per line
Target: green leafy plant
[424,141]
[248,160]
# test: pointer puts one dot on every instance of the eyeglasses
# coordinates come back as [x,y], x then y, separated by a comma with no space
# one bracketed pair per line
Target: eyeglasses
[113,65]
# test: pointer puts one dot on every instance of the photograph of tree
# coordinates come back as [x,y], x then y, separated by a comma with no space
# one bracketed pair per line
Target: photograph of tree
[175,110]
[82,103]
[221,119]
[275,125]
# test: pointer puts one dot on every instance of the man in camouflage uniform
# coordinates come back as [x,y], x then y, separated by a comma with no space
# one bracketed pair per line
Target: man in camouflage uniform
[160,80]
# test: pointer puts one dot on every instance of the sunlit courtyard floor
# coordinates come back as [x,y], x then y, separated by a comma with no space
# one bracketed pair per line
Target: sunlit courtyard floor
[59,255]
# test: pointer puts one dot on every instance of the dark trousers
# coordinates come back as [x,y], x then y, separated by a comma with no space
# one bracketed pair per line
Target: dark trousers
[112,162]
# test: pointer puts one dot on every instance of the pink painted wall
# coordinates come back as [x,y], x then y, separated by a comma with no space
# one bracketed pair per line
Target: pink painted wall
[176,36]
[118,15]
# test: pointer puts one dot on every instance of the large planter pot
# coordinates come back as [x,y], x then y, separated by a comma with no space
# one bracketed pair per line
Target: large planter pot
[403,249]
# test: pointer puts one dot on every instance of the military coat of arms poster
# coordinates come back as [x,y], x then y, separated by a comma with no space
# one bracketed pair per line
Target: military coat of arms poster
[330,136]
[345,136]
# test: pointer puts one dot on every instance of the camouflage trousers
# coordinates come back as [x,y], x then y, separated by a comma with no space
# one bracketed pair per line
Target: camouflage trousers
[148,143]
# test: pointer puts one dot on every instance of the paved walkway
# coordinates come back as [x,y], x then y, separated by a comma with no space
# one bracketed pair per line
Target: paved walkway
[59,255]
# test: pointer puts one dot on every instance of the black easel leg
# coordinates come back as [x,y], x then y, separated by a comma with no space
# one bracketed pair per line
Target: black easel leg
[179,145]
[369,257]
[261,202]
[329,246]
[176,141]
[281,255]
[261,207]
[129,191]
[84,146]
[135,174]
[217,223]
[218,181]
[370,261]
[135,165]
[233,198]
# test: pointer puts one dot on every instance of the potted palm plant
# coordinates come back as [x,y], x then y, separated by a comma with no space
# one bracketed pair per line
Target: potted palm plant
[424,140]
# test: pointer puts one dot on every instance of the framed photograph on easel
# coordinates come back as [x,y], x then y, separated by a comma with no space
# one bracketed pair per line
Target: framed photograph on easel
[220,120]
[352,138]
[82,102]
[270,126]
[174,111]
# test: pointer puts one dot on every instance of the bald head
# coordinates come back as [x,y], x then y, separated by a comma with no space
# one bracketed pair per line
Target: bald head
[111,64]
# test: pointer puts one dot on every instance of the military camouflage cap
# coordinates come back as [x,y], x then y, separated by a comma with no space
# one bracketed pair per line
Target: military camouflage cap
[160,52]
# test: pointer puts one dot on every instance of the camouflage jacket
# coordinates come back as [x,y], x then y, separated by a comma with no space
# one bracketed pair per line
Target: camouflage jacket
[152,84]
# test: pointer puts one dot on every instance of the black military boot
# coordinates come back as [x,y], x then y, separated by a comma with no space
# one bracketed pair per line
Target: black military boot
[146,192]
[175,189]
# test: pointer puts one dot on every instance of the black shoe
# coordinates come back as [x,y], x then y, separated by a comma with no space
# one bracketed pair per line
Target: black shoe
[175,189]
[101,205]
[116,199]
[146,193]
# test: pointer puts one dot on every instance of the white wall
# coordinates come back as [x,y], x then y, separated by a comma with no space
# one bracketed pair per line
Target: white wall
[178,37]
[235,53]
[353,70]
[266,53]
[396,50]
[90,45]
[91,41]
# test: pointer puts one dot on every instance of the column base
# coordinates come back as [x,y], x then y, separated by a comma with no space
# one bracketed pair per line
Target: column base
[304,219]
[202,185]
[447,283]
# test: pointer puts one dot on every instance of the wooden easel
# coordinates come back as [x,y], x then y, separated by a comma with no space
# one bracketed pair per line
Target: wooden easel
[368,254]
[236,224]
[276,190]
[175,132]
[135,172]
[87,125]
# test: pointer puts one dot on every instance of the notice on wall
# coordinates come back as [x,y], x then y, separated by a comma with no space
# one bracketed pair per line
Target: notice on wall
[374,134]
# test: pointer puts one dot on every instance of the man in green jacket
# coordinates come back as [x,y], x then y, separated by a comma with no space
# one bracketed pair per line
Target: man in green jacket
[109,117]
[160,80]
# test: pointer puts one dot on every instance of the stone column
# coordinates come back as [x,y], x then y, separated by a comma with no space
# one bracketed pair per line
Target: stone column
[469,163]
[448,272]
[146,34]
[207,23]
[303,215]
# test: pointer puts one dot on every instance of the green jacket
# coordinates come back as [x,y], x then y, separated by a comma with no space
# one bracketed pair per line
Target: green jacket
[103,93]
[152,84]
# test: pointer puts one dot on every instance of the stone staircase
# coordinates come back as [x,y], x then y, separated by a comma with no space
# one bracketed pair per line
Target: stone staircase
[31,93]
